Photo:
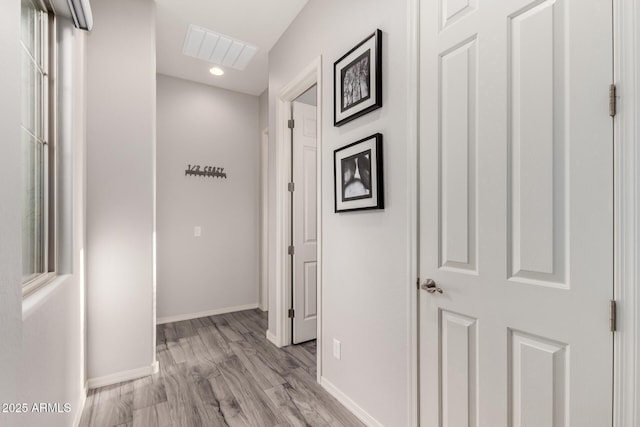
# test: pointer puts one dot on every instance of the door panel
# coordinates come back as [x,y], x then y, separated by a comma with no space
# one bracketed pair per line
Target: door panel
[537,127]
[458,85]
[537,378]
[459,355]
[516,213]
[304,222]
[310,290]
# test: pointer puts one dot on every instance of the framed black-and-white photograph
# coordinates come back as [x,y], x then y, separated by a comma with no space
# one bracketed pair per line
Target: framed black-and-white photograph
[358,175]
[357,80]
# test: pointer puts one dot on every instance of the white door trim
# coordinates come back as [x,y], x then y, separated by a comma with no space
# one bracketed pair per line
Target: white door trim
[627,223]
[264,220]
[413,179]
[311,75]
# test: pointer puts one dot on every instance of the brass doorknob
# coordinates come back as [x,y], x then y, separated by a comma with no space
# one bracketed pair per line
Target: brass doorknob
[430,286]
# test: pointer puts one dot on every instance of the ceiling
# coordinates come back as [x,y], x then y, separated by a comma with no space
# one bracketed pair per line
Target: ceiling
[258,22]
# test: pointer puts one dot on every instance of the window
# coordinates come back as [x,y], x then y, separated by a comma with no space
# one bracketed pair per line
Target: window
[37,165]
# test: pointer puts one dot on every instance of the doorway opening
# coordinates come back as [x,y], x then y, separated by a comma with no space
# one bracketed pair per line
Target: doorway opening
[303,233]
[283,293]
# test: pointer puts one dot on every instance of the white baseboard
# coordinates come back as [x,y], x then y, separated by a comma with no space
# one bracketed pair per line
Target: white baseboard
[350,404]
[272,338]
[189,316]
[83,401]
[119,377]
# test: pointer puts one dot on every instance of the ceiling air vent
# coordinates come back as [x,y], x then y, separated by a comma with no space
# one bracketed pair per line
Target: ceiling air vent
[217,48]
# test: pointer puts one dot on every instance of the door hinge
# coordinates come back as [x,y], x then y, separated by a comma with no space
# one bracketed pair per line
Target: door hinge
[291,250]
[612,100]
[291,186]
[292,313]
[291,123]
[614,316]
[418,283]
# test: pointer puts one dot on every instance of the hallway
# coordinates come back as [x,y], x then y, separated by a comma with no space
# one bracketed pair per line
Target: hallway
[221,371]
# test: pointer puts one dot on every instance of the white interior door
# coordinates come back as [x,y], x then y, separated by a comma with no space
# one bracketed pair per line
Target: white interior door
[304,222]
[516,213]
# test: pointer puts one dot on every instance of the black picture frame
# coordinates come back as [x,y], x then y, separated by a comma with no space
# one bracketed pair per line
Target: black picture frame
[358,175]
[357,80]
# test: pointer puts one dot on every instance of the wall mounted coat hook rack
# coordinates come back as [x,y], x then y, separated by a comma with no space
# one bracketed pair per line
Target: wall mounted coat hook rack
[207,171]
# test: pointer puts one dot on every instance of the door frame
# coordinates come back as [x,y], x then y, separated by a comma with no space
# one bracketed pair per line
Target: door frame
[626,63]
[626,377]
[413,225]
[263,302]
[311,75]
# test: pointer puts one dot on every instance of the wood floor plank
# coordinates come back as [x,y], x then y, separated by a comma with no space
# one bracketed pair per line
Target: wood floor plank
[113,406]
[304,388]
[188,349]
[182,410]
[265,376]
[306,359]
[205,321]
[160,337]
[297,414]
[254,403]
[202,394]
[259,376]
[235,323]
[148,391]
[250,321]
[176,351]
[216,344]
[185,329]
[201,352]
[197,323]
[164,357]
[170,333]
[229,405]
[153,416]
[311,346]
[85,419]
[223,326]
[277,359]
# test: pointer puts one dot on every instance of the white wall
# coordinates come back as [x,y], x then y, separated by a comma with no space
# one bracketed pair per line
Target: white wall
[11,205]
[365,254]
[120,181]
[53,348]
[206,126]
[42,351]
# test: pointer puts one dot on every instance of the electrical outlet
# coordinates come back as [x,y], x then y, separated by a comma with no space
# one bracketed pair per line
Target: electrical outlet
[336,349]
[197,231]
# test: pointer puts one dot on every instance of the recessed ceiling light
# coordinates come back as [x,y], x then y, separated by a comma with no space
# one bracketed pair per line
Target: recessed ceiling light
[216,71]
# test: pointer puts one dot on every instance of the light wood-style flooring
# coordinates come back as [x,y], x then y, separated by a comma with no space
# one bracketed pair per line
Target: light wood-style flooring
[221,371]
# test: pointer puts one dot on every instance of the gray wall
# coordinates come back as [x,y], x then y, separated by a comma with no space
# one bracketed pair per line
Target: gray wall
[10,194]
[54,320]
[264,275]
[264,110]
[42,336]
[207,126]
[365,255]
[120,179]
